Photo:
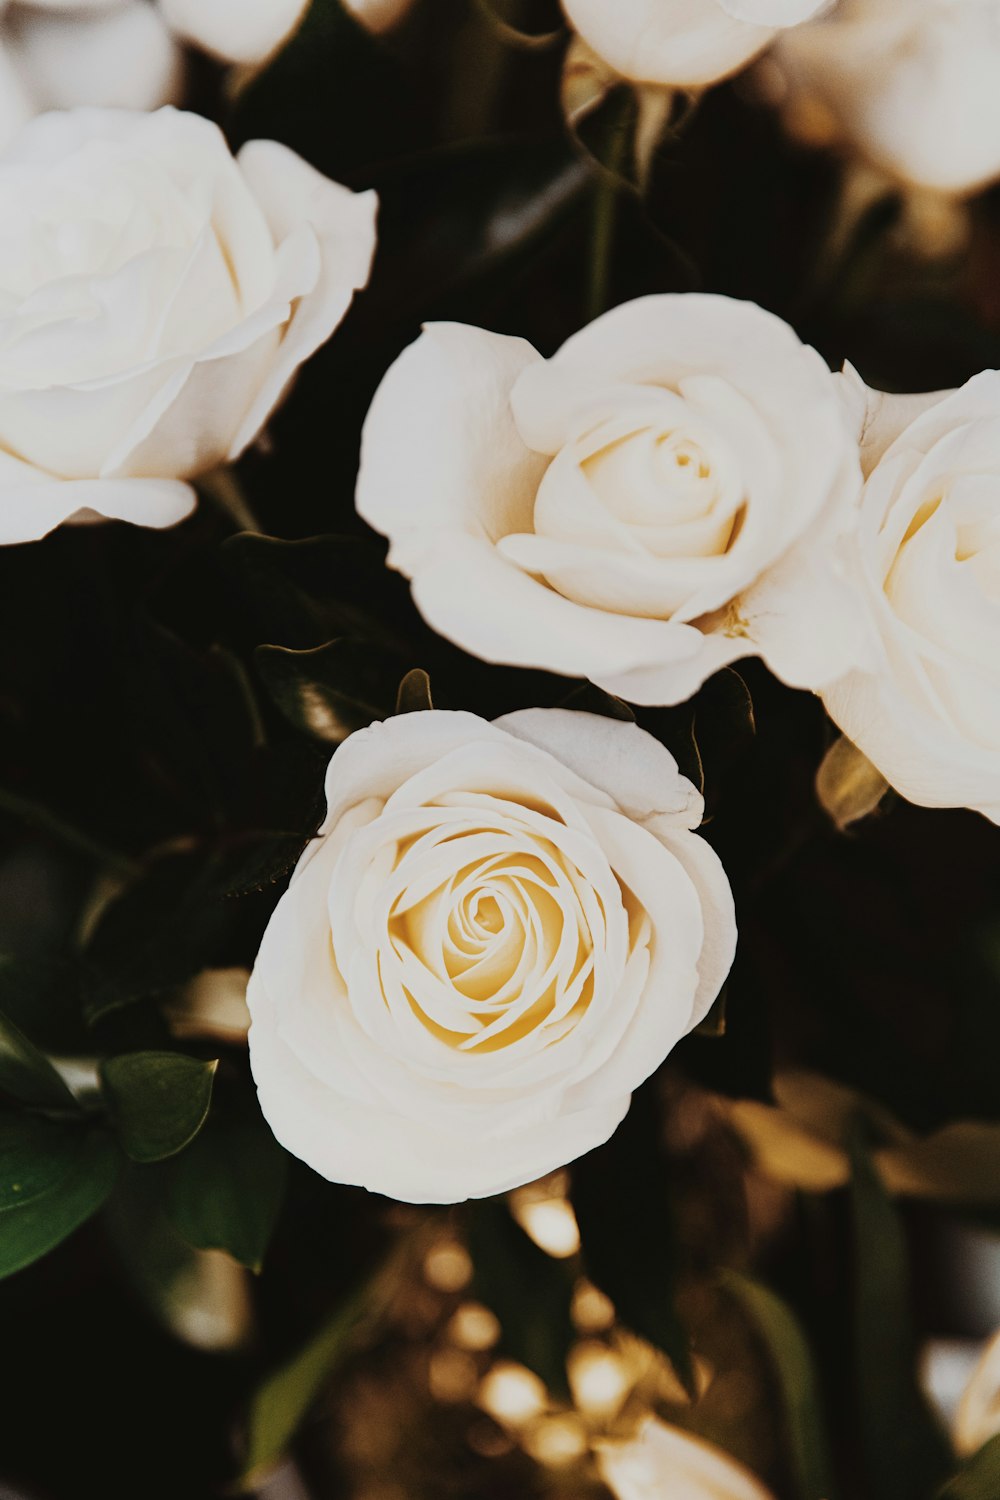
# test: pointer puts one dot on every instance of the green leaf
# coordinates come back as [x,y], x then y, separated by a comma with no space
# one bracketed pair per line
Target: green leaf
[284,1398]
[796,1376]
[173,921]
[528,1290]
[906,1452]
[621,1194]
[30,1231]
[331,691]
[26,1073]
[36,1155]
[225,1192]
[159,1100]
[979,1479]
[414,694]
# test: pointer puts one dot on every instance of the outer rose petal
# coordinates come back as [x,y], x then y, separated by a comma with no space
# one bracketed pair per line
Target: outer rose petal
[121,58]
[663,1461]
[244,31]
[775,12]
[32,503]
[683,42]
[878,417]
[619,758]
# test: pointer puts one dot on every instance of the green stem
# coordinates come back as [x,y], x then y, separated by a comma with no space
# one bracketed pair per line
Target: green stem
[607,186]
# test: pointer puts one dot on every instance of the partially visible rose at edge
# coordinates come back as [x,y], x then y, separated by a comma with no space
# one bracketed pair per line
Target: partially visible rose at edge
[663,496]
[928,114]
[665,1463]
[249,31]
[685,43]
[160,295]
[927,558]
[501,930]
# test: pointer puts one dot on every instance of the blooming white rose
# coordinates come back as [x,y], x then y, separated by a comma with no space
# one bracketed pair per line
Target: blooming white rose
[158,296]
[683,42]
[57,54]
[665,1463]
[657,500]
[910,83]
[501,930]
[248,31]
[928,564]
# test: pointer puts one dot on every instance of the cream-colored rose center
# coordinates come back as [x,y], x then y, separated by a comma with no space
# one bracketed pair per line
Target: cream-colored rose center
[499,931]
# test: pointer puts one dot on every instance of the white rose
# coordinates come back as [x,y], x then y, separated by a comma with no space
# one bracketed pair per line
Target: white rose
[683,42]
[928,110]
[665,1463]
[248,31]
[928,564]
[657,500]
[113,53]
[501,930]
[158,296]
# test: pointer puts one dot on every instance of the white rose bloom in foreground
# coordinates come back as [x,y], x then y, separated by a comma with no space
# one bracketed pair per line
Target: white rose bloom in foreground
[911,83]
[248,31]
[57,54]
[683,42]
[158,296]
[660,498]
[928,544]
[501,930]
[665,1463]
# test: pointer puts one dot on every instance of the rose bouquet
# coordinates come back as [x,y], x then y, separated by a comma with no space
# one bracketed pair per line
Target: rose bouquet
[500,749]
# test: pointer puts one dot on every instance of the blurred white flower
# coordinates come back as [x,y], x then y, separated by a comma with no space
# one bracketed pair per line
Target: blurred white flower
[911,84]
[500,931]
[248,31]
[158,297]
[666,1463]
[927,557]
[683,42]
[660,498]
[56,54]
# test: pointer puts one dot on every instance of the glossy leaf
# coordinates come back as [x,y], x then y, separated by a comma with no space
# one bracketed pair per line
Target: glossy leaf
[905,1451]
[528,1290]
[621,1194]
[225,1191]
[802,1400]
[26,1073]
[36,1155]
[159,1101]
[331,691]
[32,1230]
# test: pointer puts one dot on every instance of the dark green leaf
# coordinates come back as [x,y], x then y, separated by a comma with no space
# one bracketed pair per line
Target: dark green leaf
[621,1194]
[225,1192]
[979,1479]
[168,925]
[36,1155]
[284,1398]
[26,1073]
[589,699]
[414,694]
[796,1377]
[331,691]
[528,1290]
[159,1100]
[906,1453]
[31,1231]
